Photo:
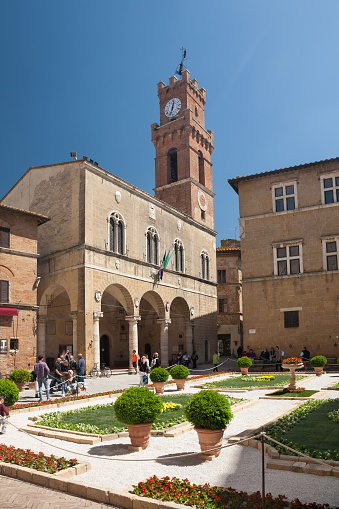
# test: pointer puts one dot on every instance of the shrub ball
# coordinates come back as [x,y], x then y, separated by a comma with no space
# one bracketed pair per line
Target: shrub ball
[138,405]
[208,410]
[179,372]
[10,391]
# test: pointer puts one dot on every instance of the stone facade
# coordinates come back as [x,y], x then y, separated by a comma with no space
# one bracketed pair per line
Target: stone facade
[289,221]
[18,279]
[100,292]
[229,278]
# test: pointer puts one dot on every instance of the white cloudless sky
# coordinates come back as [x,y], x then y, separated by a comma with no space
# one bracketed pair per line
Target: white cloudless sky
[81,76]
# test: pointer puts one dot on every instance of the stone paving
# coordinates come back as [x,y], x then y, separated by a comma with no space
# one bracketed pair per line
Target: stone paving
[228,469]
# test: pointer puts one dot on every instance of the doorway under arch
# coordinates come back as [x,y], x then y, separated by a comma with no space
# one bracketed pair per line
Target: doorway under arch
[104,350]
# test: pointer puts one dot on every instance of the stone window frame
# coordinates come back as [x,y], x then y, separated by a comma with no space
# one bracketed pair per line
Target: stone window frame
[113,241]
[327,254]
[204,265]
[152,240]
[288,258]
[291,319]
[334,175]
[179,256]
[284,197]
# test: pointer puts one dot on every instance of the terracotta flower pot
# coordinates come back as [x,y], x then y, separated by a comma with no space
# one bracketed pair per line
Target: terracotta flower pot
[318,370]
[159,387]
[180,383]
[140,434]
[208,439]
[244,371]
[20,385]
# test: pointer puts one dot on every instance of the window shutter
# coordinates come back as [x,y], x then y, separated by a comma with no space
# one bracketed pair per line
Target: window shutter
[4,291]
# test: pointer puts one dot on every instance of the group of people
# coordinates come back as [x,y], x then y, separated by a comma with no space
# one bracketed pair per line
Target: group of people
[274,356]
[185,359]
[63,378]
[143,366]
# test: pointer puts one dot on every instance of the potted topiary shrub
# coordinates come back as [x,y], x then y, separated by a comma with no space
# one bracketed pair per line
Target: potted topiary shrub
[20,377]
[179,373]
[159,376]
[318,362]
[209,412]
[138,408]
[244,363]
[10,392]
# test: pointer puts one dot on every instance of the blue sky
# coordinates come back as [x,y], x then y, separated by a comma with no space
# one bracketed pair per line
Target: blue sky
[81,76]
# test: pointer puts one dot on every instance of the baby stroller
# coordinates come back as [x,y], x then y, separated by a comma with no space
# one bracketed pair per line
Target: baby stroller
[71,385]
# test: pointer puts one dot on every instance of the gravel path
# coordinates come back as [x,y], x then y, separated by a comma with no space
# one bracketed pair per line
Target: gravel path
[237,466]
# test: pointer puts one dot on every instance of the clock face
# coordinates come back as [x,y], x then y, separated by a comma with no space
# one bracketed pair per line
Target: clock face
[173,107]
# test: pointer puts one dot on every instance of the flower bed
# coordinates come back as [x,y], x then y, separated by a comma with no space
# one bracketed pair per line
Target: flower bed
[29,459]
[249,382]
[64,399]
[292,360]
[173,414]
[213,497]
[290,421]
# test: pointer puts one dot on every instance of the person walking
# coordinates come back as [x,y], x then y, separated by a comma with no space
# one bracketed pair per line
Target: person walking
[41,371]
[135,361]
[80,368]
[194,358]
[216,359]
[155,362]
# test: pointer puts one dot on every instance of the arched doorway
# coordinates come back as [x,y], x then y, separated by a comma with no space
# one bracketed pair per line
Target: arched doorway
[104,350]
[178,339]
[151,309]
[116,304]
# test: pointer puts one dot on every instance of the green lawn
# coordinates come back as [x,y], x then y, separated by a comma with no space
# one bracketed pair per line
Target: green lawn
[317,431]
[247,382]
[102,419]
[308,429]
[303,394]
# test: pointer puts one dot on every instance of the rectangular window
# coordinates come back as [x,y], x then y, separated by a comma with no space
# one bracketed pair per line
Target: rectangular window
[331,254]
[291,319]
[221,276]
[288,260]
[284,197]
[3,345]
[330,189]
[222,305]
[4,237]
[4,291]
[14,344]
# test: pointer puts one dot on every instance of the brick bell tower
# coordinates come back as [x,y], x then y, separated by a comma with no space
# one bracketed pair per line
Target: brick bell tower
[183,168]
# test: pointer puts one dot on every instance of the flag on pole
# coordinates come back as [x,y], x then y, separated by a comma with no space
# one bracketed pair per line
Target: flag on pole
[165,260]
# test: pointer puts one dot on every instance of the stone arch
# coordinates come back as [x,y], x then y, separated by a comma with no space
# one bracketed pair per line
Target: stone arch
[55,326]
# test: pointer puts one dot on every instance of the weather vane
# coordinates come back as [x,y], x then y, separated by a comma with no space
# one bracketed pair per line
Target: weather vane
[181,66]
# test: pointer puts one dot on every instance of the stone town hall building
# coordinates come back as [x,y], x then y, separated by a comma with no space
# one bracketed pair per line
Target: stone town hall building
[99,254]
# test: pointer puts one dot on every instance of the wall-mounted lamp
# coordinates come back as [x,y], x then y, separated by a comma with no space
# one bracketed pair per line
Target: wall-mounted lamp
[290,346]
[90,344]
[335,344]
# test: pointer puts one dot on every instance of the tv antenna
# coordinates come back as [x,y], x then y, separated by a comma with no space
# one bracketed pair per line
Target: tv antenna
[181,66]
